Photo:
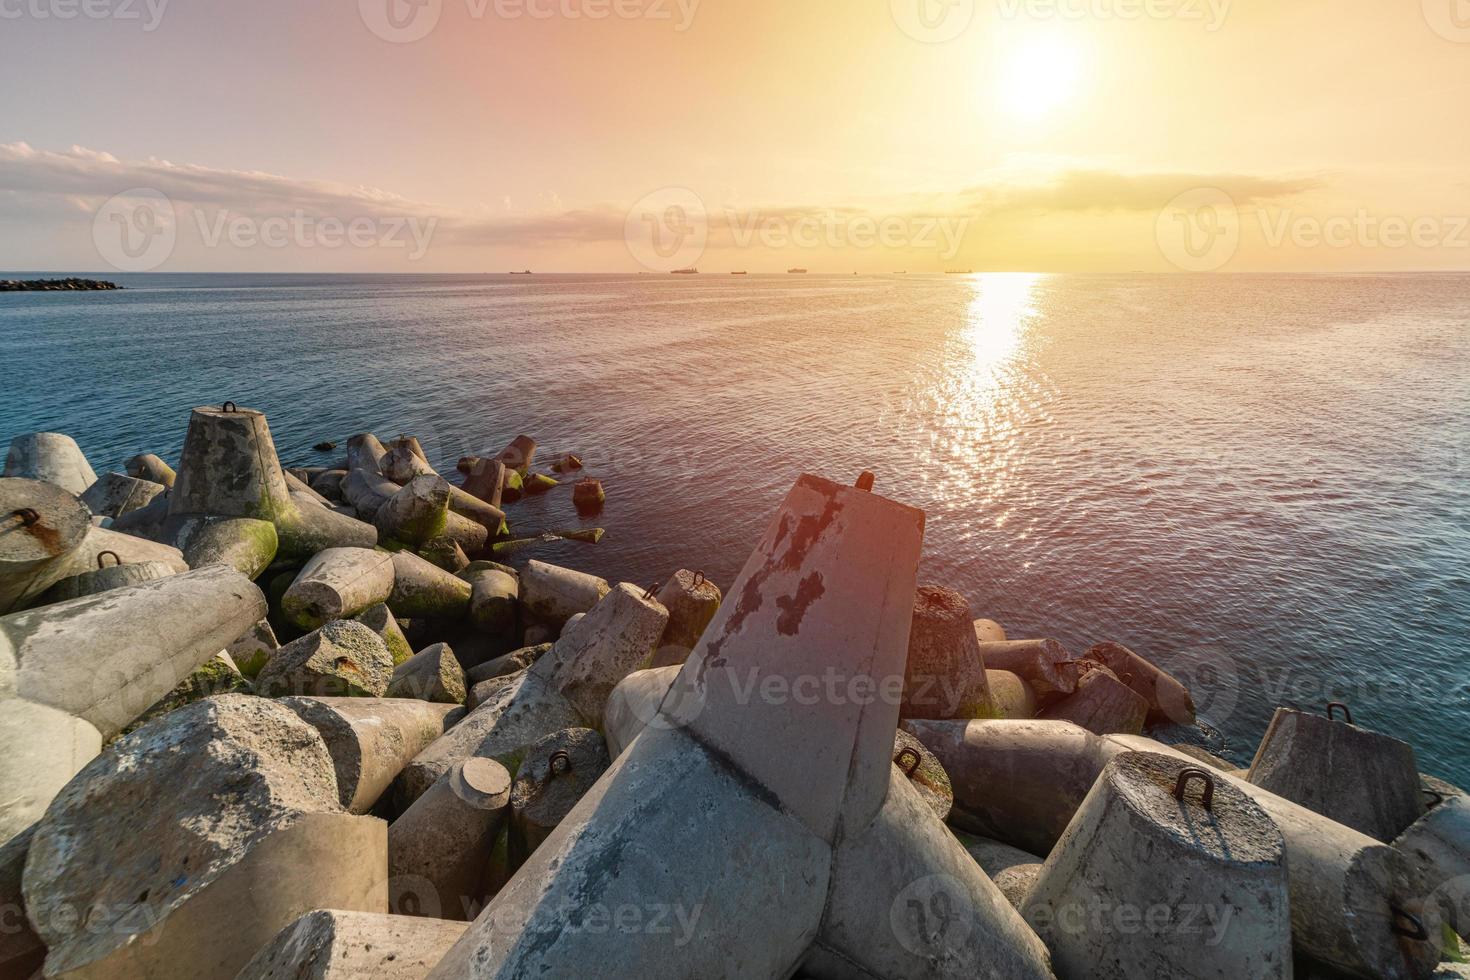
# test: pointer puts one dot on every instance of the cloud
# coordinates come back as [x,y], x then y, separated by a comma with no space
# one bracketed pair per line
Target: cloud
[80,180]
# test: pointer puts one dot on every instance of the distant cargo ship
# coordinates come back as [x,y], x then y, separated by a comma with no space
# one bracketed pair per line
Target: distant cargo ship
[796,272]
[526,273]
[737,273]
[686,272]
[959,272]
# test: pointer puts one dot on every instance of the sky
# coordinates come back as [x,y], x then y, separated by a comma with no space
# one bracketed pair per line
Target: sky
[758,135]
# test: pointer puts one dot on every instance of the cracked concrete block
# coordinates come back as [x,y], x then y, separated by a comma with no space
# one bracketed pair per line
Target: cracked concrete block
[557,772]
[147,466]
[945,677]
[220,820]
[380,620]
[107,658]
[338,583]
[372,739]
[1037,662]
[51,458]
[44,749]
[432,674]
[551,594]
[115,494]
[330,944]
[439,849]
[1360,778]
[1102,704]
[342,659]
[616,637]
[424,589]
[1216,868]
[41,527]
[1021,782]
[1168,699]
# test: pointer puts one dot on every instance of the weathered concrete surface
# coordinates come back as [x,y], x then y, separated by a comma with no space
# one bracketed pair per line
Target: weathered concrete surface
[1013,870]
[445,552]
[631,838]
[989,631]
[41,527]
[302,492]
[519,454]
[486,480]
[1021,782]
[432,674]
[338,583]
[634,704]
[334,945]
[44,749]
[906,900]
[945,677]
[493,600]
[102,541]
[423,589]
[1439,846]
[610,642]
[217,676]
[1217,872]
[511,663]
[21,950]
[923,771]
[402,463]
[556,773]
[1102,704]
[105,578]
[380,620]
[342,659]
[107,658]
[51,458]
[501,729]
[439,850]
[1034,661]
[367,491]
[372,739]
[244,543]
[551,594]
[220,821]
[115,494]
[147,466]
[417,512]
[329,485]
[253,648]
[692,601]
[1010,696]
[1168,699]
[365,452]
[1359,778]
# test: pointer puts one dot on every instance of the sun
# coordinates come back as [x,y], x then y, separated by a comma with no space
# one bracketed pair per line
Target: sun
[1039,76]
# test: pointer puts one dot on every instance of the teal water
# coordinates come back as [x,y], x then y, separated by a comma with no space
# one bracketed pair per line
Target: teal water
[1259,482]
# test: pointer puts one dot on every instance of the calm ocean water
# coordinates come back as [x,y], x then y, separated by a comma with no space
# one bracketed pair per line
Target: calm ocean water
[1263,483]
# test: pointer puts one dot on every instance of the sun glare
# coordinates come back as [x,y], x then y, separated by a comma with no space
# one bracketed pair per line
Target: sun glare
[1039,76]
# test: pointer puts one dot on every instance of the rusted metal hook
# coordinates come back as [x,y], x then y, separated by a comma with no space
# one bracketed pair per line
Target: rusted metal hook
[560,758]
[912,767]
[103,554]
[29,516]
[865,481]
[1208,801]
[699,579]
[229,407]
[1346,711]
[1408,925]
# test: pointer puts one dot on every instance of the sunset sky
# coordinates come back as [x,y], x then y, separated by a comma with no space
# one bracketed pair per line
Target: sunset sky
[1047,135]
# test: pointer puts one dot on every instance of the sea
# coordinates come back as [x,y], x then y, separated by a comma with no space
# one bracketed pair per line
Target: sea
[1259,482]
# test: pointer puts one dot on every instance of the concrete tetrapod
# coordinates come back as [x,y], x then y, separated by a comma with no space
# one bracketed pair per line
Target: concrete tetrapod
[147,466]
[372,739]
[44,749]
[551,594]
[710,813]
[1168,699]
[51,458]
[105,578]
[333,945]
[229,468]
[1013,870]
[21,950]
[557,772]
[493,601]
[1102,704]
[1368,781]
[380,620]
[244,543]
[342,659]
[338,583]
[115,494]
[432,674]
[102,542]
[1210,900]
[424,589]
[1439,845]
[1356,905]
[1034,661]
[107,658]
[439,850]
[634,704]
[192,842]
[692,601]
[945,677]
[41,527]
[614,639]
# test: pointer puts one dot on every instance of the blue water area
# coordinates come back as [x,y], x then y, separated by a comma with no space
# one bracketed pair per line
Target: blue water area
[1259,482]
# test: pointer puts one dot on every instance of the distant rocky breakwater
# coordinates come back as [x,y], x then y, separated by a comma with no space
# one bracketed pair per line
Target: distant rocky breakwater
[338,721]
[54,285]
